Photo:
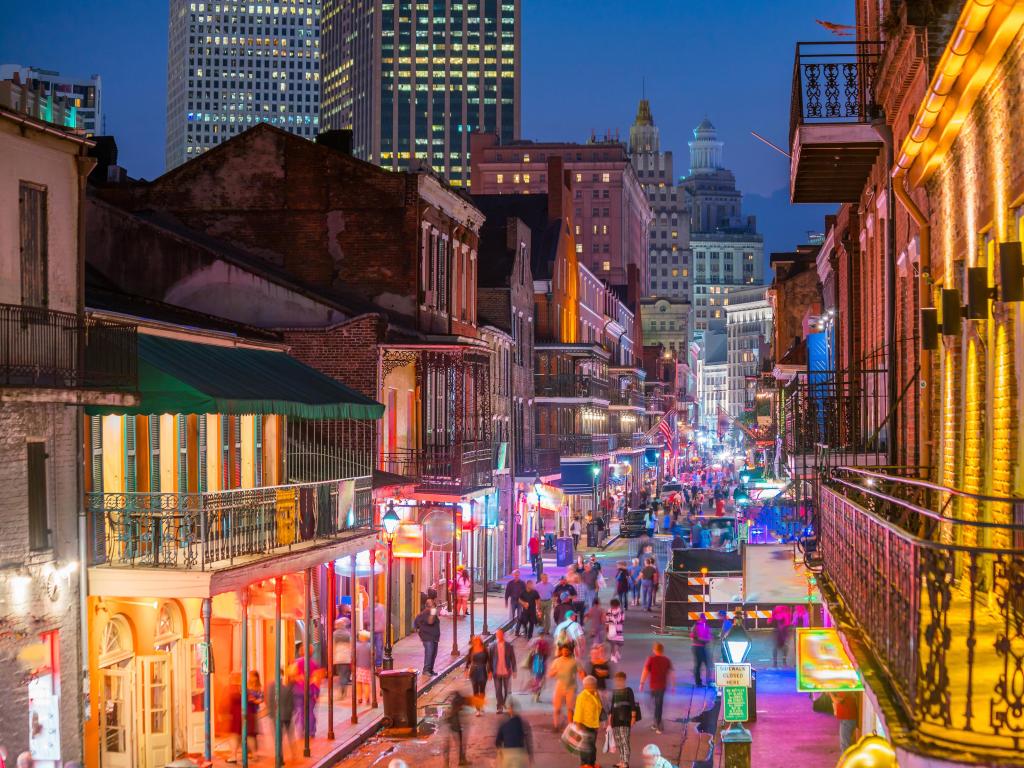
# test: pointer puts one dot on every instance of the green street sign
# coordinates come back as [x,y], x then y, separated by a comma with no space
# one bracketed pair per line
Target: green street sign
[734,704]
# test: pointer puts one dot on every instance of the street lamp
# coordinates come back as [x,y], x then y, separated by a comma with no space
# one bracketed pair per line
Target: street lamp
[537,526]
[596,471]
[736,644]
[390,523]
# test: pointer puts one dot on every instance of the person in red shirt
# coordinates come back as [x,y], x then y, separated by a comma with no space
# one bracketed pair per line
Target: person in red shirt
[657,675]
[533,545]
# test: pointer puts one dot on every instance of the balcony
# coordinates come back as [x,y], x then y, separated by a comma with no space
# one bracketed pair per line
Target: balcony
[574,386]
[564,446]
[44,349]
[931,607]
[209,531]
[630,398]
[454,469]
[833,145]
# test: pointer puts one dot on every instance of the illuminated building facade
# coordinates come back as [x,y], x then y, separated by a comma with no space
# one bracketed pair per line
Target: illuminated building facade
[232,65]
[84,94]
[414,80]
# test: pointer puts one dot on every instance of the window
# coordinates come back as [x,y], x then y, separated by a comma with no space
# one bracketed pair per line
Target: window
[579,247]
[526,178]
[32,216]
[38,506]
[606,177]
[501,178]
[579,177]
[515,178]
[526,158]
[606,266]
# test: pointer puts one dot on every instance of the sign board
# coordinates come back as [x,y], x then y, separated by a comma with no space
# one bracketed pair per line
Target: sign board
[822,663]
[732,675]
[408,541]
[204,657]
[734,704]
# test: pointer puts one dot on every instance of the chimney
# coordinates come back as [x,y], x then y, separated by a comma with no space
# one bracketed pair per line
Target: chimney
[339,139]
[105,153]
[558,188]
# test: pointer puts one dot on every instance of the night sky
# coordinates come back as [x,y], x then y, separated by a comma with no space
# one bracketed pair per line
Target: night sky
[584,65]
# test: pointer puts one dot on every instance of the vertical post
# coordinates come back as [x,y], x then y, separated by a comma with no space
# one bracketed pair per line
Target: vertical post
[332,611]
[306,640]
[207,725]
[389,662]
[371,609]
[278,761]
[452,602]
[352,636]
[471,557]
[736,745]
[244,596]
[486,541]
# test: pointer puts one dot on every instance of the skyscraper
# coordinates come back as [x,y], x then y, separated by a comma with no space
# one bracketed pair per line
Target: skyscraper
[232,65]
[414,79]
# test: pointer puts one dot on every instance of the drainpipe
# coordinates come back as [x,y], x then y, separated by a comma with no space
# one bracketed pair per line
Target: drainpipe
[892,358]
[899,182]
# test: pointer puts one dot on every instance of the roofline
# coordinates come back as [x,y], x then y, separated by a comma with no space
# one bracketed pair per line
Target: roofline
[44,127]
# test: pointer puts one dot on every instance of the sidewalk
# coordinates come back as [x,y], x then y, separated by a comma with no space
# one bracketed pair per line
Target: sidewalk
[348,735]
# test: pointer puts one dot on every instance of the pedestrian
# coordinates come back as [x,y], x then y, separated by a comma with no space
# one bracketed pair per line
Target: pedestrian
[379,620]
[844,707]
[454,729]
[513,591]
[25,760]
[281,709]
[562,588]
[545,590]
[624,714]
[566,673]
[254,700]
[540,650]
[342,657]
[587,715]
[562,609]
[232,712]
[514,741]
[463,591]
[478,670]
[653,758]
[570,634]
[647,584]
[501,665]
[634,580]
[599,668]
[700,641]
[657,674]
[364,670]
[534,549]
[622,584]
[428,627]
[588,581]
[529,613]
[615,628]
[781,621]
[594,620]
[574,531]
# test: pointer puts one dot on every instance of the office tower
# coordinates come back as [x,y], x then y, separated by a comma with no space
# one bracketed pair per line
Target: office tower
[413,80]
[232,65]
[82,93]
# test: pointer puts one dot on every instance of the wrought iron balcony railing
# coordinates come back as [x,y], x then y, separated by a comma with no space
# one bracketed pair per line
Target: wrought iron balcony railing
[570,385]
[576,445]
[630,397]
[833,82]
[44,348]
[936,600]
[457,468]
[202,530]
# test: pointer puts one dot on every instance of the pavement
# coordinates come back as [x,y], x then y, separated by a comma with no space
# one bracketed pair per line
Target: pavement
[787,732]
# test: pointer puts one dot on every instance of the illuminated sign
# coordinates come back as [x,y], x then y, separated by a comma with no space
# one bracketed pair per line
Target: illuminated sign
[822,664]
[409,541]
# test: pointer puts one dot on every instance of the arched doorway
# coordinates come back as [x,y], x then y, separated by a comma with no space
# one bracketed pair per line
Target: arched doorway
[117,694]
[169,641]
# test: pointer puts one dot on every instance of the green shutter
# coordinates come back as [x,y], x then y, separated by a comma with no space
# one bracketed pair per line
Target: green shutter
[201,480]
[96,452]
[225,453]
[154,454]
[131,484]
[182,453]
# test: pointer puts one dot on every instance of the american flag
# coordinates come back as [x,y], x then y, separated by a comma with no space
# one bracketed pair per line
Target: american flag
[667,430]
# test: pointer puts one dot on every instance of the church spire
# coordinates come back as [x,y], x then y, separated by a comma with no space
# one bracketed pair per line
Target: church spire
[643,113]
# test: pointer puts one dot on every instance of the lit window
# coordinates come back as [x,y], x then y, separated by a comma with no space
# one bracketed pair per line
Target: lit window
[577,229]
[606,266]
[526,178]
[526,158]
[515,178]
[579,247]
[501,178]
[606,177]
[579,177]
[604,229]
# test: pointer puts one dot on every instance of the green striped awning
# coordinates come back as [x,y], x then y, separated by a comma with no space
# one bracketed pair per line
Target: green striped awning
[178,376]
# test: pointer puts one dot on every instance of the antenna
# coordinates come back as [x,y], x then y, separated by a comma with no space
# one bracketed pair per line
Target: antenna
[643,87]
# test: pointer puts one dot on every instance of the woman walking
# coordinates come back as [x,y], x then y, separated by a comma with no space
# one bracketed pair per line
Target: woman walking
[587,714]
[463,589]
[254,700]
[537,663]
[567,674]
[477,671]
[623,717]
[615,623]
[364,672]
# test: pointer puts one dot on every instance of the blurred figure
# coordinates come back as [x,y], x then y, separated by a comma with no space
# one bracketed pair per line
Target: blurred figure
[622,718]
[653,758]
[364,670]
[514,741]
[587,715]
[463,591]
[428,627]
[566,673]
[615,624]
[700,640]
[342,639]
[478,670]
[657,674]
[254,696]
[25,760]
[232,712]
[283,713]
[540,650]
[454,732]
[502,666]
[546,590]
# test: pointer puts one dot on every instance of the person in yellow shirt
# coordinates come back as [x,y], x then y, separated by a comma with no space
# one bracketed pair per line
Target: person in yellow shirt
[587,715]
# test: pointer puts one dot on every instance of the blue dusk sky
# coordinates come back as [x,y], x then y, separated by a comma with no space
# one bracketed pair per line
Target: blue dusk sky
[584,66]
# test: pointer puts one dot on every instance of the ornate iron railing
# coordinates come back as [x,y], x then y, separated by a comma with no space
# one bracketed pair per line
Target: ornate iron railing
[201,530]
[41,347]
[833,82]
[943,618]
[631,397]
[460,467]
[570,385]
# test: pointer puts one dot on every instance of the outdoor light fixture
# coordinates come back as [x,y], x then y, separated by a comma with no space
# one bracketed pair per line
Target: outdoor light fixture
[736,645]
[596,470]
[952,312]
[390,521]
[929,328]
[1011,272]
[537,485]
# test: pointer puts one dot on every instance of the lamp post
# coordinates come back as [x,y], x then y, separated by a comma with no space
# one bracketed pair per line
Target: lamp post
[596,472]
[537,485]
[390,523]
[736,740]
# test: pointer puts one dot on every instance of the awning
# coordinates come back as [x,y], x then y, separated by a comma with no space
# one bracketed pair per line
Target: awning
[578,477]
[178,376]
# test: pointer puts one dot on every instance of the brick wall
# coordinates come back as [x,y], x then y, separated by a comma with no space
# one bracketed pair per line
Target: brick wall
[346,352]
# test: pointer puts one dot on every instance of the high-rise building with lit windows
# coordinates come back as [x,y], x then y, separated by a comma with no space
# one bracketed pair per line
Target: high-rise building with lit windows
[231,65]
[413,79]
[82,94]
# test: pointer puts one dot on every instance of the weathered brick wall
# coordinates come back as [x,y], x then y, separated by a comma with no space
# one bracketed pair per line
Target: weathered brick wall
[30,610]
[346,352]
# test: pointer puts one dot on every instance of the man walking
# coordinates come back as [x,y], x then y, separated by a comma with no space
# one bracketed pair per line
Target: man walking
[513,591]
[700,637]
[657,674]
[647,584]
[588,581]
[514,741]
[534,548]
[502,667]
[428,628]
[546,590]
[529,602]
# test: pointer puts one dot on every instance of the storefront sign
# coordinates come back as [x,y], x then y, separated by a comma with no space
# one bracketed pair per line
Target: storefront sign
[732,675]
[409,541]
[734,704]
[285,512]
[203,649]
[822,664]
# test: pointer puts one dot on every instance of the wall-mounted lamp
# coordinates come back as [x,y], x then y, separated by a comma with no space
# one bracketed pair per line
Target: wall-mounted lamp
[978,293]
[929,328]
[952,312]
[1011,272]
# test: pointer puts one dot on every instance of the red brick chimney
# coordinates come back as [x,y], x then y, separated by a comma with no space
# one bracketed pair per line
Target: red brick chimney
[558,189]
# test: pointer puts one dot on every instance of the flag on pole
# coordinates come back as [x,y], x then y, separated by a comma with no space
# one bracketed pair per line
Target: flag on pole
[723,422]
[667,431]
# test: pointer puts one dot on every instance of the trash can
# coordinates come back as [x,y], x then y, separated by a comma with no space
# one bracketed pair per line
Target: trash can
[592,540]
[398,690]
[564,554]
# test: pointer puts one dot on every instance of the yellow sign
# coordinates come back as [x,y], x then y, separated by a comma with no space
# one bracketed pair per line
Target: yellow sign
[822,664]
[286,512]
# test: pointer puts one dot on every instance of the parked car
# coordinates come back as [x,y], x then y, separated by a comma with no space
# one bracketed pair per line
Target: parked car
[633,524]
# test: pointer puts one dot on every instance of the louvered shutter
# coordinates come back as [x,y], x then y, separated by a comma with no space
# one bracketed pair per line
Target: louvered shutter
[154,454]
[96,452]
[236,454]
[182,453]
[201,480]
[258,450]
[225,453]
[130,456]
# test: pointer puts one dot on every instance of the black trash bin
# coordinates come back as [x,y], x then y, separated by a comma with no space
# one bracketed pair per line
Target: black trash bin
[592,540]
[398,690]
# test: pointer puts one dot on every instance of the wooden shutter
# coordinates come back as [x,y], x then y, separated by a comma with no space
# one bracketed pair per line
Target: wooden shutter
[225,452]
[38,512]
[32,216]
[182,421]
[236,451]
[201,480]
[257,422]
[130,456]
[154,454]
[96,452]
